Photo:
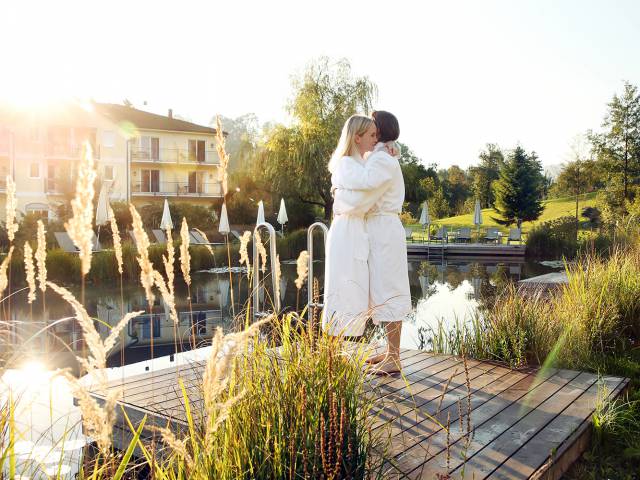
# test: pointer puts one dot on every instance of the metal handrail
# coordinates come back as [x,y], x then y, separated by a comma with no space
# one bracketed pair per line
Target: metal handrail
[310,230]
[173,155]
[255,307]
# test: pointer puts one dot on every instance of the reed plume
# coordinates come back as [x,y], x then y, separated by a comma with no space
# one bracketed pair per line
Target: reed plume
[262,252]
[4,281]
[185,257]
[166,295]
[142,244]
[98,420]
[222,155]
[169,261]
[177,446]
[30,272]
[206,239]
[302,268]
[80,225]
[41,257]
[117,241]
[11,205]
[244,255]
[278,274]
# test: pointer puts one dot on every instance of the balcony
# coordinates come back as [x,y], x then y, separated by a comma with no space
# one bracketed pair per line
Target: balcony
[174,156]
[176,189]
[57,186]
[64,151]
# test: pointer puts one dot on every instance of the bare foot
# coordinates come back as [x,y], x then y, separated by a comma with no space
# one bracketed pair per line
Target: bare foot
[388,366]
[376,358]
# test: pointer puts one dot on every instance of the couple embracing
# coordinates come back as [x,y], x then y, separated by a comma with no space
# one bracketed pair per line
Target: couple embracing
[366,257]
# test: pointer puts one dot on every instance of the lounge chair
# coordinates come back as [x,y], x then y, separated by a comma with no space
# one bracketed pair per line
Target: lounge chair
[463,235]
[492,235]
[66,244]
[515,235]
[160,235]
[441,235]
[198,238]
[133,239]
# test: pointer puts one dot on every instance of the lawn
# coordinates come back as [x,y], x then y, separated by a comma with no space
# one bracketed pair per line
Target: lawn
[554,208]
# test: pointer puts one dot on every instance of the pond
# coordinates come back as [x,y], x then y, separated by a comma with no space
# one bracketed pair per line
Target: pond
[443,292]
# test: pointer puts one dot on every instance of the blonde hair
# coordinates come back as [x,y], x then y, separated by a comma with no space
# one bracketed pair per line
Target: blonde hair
[355,125]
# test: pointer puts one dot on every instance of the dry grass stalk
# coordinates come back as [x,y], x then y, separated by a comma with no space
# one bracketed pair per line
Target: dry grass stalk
[117,241]
[30,272]
[223,156]
[445,390]
[168,262]
[278,275]
[177,446]
[302,268]
[11,205]
[204,235]
[448,441]
[185,257]
[244,255]
[142,244]
[80,225]
[4,281]
[41,257]
[262,252]
[167,295]
[220,364]
[97,419]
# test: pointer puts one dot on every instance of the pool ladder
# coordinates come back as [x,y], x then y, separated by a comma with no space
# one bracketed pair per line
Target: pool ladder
[310,230]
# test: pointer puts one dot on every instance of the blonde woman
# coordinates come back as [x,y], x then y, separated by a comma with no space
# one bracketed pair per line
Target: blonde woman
[377,187]
[346,285]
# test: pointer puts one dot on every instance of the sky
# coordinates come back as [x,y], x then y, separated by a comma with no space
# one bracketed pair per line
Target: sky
[457,74]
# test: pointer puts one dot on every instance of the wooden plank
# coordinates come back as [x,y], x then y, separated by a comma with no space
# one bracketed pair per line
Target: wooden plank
[487,429]
[417,454]
[539,449]
[486,460]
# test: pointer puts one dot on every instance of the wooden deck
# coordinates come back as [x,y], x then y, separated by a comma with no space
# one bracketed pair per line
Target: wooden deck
[466,249]
[523,423]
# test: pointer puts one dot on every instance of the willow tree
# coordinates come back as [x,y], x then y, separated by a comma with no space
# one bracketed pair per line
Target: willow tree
[295,157]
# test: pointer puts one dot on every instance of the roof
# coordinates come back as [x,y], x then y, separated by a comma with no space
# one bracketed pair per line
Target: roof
[146,120]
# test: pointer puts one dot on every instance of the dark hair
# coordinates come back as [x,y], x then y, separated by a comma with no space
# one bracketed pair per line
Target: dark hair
[387,124]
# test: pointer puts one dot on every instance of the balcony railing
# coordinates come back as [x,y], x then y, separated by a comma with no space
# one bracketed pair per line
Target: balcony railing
[176,189]
[174,155]
[69,151]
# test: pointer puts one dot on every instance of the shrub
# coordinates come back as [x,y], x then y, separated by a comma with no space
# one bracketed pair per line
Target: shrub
[553,238]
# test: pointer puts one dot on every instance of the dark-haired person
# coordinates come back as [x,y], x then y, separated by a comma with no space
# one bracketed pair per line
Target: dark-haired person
[377,185]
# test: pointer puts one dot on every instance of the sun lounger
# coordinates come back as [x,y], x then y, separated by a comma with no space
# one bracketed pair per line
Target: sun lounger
[66,244]
[515,235]
[463,235]
[198,238]
[441,235]
[160,235]
[133,239]
[492,235]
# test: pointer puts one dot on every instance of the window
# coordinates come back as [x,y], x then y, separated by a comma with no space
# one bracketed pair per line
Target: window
[196,182]
[108,172]
[150,181]
[34,170]
[149,148]
[196,150]
[108,139]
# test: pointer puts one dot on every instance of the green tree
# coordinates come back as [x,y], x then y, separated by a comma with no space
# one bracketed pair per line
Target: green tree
[486,173]
[241,140]
[294,158]
[519,189]
[578,175]
[618,147]
[455,186]
[413,172]
[438,205]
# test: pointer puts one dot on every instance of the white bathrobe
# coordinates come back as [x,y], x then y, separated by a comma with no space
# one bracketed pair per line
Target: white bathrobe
[346,287]
[378,187]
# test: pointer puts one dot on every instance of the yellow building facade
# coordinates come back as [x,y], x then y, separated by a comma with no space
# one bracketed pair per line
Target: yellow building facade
[140,157]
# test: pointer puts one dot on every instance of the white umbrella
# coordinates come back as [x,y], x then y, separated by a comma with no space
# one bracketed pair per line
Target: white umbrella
[282,214]
[260,218]
[224,293]
[224,221]
[425,218]
[283,288]
[477,214]
[166,223]
[102,210]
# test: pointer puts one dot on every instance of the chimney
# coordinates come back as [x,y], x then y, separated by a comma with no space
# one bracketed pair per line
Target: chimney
[170,113]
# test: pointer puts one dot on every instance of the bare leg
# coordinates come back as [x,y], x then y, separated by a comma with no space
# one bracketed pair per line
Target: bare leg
[390,363]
